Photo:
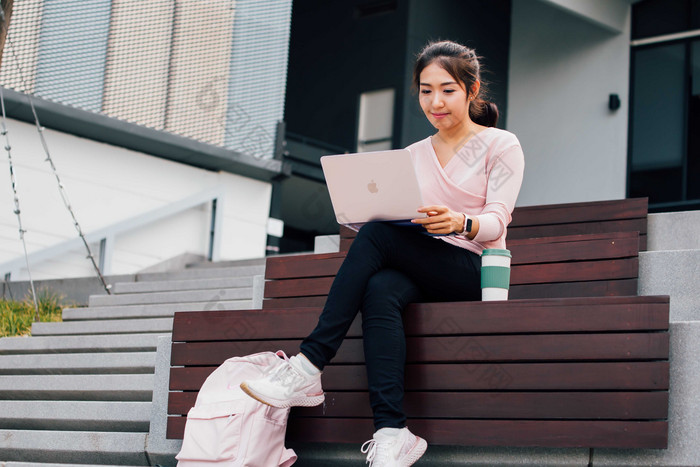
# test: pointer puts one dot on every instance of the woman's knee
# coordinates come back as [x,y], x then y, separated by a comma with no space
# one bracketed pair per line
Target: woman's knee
[374,230]
[388,289]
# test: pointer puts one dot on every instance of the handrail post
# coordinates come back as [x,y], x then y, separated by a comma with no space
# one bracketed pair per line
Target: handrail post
[215,229]
[106,251]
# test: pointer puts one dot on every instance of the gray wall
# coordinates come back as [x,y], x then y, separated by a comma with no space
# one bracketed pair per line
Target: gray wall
[562,69]
[334,56]
[484,26]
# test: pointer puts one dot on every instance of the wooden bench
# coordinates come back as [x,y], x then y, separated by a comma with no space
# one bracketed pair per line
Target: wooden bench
[575,359]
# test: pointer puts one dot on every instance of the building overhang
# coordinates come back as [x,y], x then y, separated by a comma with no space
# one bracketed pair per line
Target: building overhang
[102,128]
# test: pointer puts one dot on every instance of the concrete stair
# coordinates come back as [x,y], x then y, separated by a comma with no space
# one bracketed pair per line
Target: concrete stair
[96,387]
[74,446]
[46,345]
[75,415]
[79,392]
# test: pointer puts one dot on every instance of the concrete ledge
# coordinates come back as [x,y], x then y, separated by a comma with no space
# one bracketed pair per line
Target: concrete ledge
[149,311]
[41,464]
[327,244]
[228,263]
[212,296]
[72,344]
[673,273]
[73,447]
[203,273]
[80,363]
[258,292]
[673,231]
[77,387]
[75,290]
[106,326]
[349,455]
[179,285]
[75,415]
[159,449]
[684,409]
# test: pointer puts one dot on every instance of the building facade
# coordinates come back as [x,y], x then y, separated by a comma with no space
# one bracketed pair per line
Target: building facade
[162,119]
[601,94]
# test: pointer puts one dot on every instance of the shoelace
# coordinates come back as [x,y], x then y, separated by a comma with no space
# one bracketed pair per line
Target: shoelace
[287,376]
[375,452]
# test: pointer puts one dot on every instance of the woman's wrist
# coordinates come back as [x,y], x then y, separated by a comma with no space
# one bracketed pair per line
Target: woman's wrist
[469,227]
[474,228]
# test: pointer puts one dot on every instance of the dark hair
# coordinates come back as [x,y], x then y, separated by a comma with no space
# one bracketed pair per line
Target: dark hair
[463,65]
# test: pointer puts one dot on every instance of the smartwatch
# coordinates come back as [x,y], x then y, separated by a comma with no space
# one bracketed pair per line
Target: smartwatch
[467,225]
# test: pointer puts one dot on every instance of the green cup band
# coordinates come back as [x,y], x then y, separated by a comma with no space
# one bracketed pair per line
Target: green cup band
[495,276]
[496,252]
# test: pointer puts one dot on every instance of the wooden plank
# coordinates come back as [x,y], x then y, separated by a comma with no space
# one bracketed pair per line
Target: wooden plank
[478,349]
[175,428]
[298,287]
[626,268]
[567,213]
[570,238]
[629,225]
[346,232]
[539,347]
[505,405]
[524,251]
[485,405]
[579,212]
[572,376]
[345,244]
[296,302]
[517,433]
[179,403]
[619,246]
[434,319]
[621,287]
[247,325]
[528,316]
[536,315]
[303,266]
[522,274]
[618,287]
[277,266]
[541,433]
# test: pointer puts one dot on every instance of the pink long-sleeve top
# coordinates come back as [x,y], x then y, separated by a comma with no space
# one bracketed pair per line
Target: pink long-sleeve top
[482,180]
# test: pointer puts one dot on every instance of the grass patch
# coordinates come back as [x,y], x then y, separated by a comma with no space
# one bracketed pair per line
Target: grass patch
[16,317]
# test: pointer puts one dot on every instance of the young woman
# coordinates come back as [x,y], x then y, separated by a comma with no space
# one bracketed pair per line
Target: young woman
[470,174]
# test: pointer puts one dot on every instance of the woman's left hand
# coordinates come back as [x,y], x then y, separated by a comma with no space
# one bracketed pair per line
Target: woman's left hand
[440,220]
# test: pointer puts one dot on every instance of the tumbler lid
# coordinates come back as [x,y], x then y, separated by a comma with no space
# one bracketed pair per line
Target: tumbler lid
[496,252]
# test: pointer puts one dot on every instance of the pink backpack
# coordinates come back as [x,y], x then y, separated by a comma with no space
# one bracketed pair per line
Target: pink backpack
[227,427]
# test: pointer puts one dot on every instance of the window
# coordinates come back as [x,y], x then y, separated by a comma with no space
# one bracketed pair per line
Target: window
[664,142]
[376,121]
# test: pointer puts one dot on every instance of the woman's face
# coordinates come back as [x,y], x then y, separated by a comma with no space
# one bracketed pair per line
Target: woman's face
[443,99]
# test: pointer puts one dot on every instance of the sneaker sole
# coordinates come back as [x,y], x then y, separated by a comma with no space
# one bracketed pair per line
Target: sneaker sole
[416,452]
[308,401]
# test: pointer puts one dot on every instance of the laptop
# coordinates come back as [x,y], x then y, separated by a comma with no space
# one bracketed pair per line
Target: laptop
[373,186]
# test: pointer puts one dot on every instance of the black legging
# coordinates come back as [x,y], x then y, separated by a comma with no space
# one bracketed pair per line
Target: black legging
[386,268]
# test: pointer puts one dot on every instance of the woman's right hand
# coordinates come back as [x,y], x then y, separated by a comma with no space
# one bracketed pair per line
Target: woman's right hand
[440,220]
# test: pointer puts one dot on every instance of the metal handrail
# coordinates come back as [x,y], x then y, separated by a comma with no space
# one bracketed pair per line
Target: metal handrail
[105,236]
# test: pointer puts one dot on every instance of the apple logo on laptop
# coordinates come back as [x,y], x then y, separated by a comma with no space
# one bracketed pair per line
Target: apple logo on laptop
[372,187]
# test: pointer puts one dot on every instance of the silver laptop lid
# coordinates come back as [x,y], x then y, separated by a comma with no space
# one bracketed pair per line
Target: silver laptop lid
[370,186]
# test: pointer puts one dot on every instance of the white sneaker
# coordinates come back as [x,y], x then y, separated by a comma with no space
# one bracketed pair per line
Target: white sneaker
[286,384]
[402,450]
